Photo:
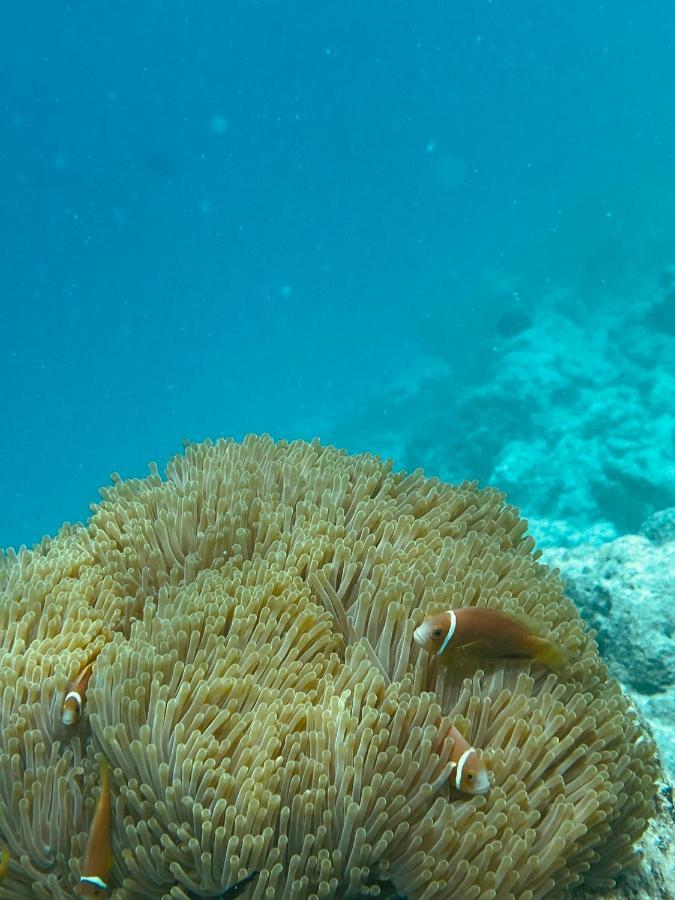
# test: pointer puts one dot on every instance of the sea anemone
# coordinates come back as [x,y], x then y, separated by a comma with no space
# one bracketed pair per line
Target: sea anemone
[264,709]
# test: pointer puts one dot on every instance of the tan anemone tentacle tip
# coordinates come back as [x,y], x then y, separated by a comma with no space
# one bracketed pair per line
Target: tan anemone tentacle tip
[265,705]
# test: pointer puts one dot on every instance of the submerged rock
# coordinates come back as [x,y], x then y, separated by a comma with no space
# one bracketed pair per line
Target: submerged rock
[659,528]
[571,415]
[625,589]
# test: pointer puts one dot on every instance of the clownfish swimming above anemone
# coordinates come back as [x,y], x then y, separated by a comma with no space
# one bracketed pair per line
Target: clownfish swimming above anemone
[488,634]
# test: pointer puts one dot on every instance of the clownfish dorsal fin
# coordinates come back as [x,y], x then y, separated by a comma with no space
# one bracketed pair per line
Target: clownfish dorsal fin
[543,647]
[533,625]
[463,729]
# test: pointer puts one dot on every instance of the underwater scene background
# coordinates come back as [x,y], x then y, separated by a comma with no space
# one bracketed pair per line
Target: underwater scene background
[439,233]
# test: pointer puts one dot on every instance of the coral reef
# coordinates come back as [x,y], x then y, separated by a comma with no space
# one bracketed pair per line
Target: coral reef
[264,708]
[625,591]
[571,413]
[600,411]
[659,528]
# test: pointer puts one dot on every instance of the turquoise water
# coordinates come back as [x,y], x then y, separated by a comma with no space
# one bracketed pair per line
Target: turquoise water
[441,232]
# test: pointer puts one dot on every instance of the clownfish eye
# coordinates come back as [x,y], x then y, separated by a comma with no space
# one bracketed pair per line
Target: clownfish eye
[469,776]
[437,633]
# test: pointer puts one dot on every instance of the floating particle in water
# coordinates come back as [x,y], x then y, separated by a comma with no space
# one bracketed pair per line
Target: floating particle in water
[219,124]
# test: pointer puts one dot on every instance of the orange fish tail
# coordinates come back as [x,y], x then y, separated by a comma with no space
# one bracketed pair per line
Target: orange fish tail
[104,768]
[551,654]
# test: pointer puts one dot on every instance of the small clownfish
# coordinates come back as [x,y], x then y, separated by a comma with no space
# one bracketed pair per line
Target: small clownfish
[488,633]
[4,862]
[76,694]
[97,861]
[467,772]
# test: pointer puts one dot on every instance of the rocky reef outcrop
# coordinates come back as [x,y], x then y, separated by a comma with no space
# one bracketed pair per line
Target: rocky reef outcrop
[568,408]
[625,589]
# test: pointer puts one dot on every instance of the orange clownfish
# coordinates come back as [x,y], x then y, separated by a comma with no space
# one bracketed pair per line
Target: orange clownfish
[467,773]
[76,693]
[488,633]
[97,862]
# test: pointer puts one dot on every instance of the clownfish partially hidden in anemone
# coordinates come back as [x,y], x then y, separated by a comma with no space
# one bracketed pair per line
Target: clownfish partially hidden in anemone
[487,634]
[76,694]
[97,861]
[467,773]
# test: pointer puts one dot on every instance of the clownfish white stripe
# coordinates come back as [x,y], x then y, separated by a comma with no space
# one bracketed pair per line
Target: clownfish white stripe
[73,695]
[451,631]
[95,880]
[460,767]
[72,708]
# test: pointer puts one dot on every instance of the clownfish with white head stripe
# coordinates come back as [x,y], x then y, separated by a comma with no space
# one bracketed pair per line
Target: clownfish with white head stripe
[467,772]
[76,694]
[98,859]
[487,634]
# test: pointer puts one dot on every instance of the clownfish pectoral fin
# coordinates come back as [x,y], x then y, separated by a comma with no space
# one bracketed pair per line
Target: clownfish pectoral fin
[466,658]
[472,649]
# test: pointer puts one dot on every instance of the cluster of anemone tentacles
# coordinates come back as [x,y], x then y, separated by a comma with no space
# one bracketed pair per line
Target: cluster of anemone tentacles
[263,706]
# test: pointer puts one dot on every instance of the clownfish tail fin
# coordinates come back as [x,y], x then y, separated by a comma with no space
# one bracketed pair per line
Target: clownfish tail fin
[552,655]
[104,769]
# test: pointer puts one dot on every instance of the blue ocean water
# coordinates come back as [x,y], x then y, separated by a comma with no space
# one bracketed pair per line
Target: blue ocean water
[441,232]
